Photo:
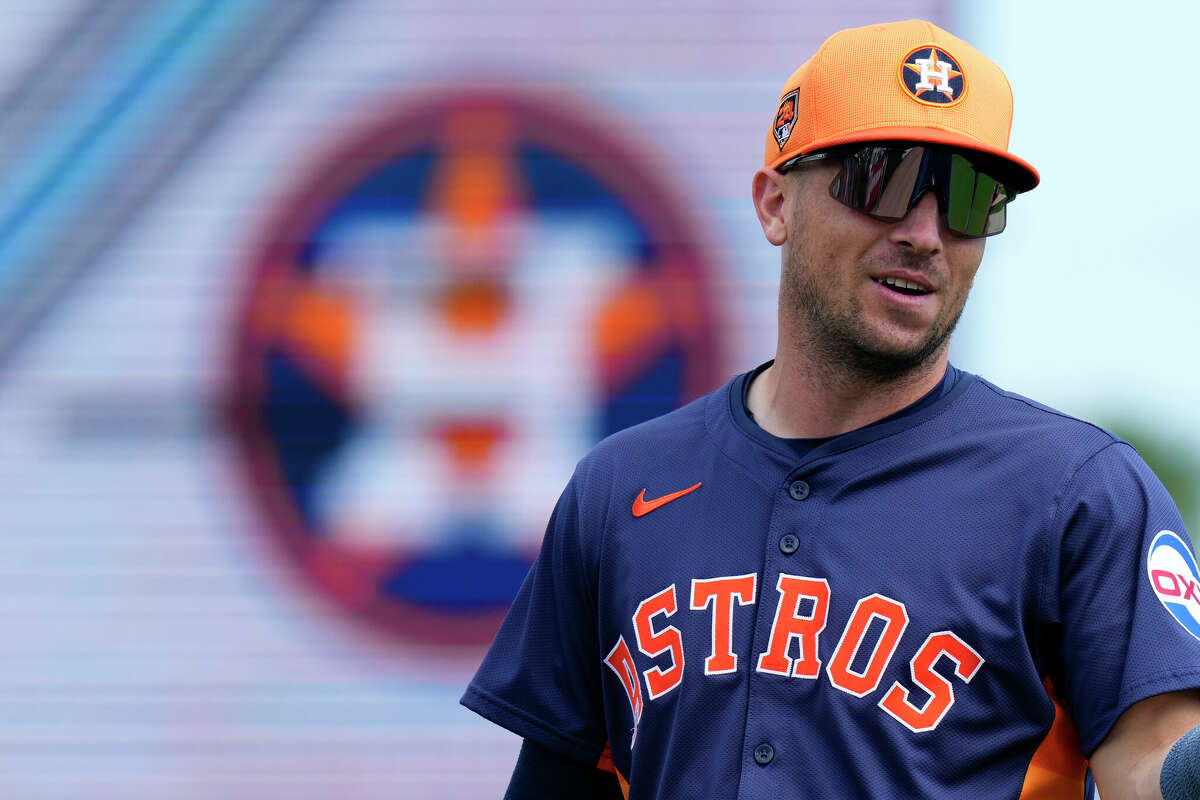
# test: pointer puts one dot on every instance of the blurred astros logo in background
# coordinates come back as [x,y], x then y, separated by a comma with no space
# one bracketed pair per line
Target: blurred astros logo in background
[438,323]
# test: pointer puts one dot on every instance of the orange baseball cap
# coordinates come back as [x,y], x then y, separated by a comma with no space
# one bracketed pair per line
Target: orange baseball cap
[900,81]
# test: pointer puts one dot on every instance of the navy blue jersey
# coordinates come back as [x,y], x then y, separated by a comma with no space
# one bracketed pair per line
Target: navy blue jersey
[958,601]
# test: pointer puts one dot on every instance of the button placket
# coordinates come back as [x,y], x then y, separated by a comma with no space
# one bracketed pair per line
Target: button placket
[788,518]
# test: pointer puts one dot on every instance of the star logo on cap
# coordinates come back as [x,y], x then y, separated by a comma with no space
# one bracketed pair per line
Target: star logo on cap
[932,76]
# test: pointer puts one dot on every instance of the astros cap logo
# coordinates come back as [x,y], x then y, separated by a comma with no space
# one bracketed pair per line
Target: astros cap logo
[932,76]
[785,119]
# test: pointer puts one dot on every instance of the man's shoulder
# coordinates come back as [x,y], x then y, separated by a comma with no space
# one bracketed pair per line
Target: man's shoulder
[682,428]
[1032,424]
[662,446]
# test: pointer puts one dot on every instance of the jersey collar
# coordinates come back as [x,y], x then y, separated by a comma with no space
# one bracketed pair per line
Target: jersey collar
[770,459]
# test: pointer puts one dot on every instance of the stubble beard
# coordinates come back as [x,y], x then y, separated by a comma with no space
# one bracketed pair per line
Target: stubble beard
[841,344]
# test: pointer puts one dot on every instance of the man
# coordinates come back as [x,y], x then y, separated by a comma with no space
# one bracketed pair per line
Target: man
[856,571]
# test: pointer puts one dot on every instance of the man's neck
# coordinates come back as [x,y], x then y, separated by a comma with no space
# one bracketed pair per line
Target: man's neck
[802,399]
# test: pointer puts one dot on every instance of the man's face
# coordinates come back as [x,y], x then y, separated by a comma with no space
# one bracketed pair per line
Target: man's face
[881,298]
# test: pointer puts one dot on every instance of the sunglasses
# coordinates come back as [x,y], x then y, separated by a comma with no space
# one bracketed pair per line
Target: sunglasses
[886,181]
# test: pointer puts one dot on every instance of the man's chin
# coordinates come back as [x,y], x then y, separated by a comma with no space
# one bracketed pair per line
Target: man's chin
[891,360]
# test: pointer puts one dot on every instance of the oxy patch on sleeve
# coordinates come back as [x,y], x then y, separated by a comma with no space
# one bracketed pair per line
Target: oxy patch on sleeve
[1171,568]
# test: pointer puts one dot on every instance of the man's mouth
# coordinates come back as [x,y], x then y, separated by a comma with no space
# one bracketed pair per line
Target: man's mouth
[902,286]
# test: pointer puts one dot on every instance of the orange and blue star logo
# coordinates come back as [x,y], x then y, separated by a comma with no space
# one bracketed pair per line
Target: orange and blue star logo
[932,76]
[453,303]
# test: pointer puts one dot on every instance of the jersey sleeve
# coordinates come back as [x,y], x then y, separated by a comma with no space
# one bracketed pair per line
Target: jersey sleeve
[540,678]
[1117,638]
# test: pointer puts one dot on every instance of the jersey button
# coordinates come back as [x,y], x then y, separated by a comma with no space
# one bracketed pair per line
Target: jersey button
[763,754]
[789,544]
[798,490]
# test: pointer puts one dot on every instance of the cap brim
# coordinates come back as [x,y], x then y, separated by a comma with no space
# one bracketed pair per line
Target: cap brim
[1016,172]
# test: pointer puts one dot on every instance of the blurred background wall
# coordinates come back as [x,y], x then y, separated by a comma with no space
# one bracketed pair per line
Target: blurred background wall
[308,307]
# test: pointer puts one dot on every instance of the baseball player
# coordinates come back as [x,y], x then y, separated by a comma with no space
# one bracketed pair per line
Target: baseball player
[857,571]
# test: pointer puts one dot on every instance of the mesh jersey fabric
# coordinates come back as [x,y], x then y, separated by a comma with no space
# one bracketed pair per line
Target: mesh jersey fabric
[990,520]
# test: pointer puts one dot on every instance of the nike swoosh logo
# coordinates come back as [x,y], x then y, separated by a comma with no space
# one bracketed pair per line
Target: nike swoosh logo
[642,506]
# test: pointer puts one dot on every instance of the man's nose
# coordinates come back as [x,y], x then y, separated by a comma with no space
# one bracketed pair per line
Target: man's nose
[920,229]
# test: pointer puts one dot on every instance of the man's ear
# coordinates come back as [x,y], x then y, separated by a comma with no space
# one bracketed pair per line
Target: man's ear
[768,191]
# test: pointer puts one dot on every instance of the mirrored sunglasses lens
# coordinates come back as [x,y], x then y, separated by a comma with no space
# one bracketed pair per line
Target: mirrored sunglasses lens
[885,182]
[975,201]
[865,183]
[895,179]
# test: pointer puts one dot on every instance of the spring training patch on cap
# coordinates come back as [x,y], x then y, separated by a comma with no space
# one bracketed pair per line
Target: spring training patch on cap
[1175,578]
[785,118]
[932,76]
